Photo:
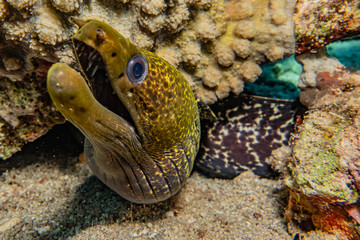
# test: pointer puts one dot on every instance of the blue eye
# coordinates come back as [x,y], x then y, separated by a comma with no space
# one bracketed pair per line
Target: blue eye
[137,69]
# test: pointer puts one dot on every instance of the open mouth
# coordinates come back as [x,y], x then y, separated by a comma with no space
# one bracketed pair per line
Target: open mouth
[94,68]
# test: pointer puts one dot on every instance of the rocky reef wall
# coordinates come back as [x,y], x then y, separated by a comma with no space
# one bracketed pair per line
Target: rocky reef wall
[218,45]
[322,171]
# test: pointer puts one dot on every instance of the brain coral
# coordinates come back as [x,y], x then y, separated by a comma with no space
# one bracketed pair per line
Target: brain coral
[218,45]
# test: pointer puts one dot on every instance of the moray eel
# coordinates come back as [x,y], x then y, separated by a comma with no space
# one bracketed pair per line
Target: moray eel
[138,113]
[248,129]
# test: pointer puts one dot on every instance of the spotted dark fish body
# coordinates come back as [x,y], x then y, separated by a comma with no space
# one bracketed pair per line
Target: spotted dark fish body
[139,116]
[248,129]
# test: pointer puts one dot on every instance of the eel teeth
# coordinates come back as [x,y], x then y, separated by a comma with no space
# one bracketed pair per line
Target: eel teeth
[95,58]
[89,66]
[91,55]
[94,70]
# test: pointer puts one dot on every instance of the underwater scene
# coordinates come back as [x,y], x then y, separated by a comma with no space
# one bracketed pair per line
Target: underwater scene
[180,119]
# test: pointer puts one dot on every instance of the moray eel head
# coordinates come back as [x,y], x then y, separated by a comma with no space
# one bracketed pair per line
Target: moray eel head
[137,112]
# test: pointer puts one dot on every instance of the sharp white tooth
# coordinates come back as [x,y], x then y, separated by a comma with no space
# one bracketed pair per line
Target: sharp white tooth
[94,70]
[91,54]
[89,66]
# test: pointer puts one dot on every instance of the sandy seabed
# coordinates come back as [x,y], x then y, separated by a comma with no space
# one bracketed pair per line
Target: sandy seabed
[54,196]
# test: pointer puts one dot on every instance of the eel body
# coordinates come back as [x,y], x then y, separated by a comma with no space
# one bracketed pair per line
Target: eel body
[137,112]
[247,130]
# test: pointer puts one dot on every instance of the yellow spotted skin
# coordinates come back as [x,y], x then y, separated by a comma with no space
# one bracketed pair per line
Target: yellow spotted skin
[167,121]
[148,159]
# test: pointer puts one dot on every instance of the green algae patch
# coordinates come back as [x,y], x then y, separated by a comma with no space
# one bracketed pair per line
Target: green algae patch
[316,165]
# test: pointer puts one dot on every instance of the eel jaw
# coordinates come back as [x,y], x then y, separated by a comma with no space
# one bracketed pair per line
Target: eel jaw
[94,69]
[74,99]
[91,64]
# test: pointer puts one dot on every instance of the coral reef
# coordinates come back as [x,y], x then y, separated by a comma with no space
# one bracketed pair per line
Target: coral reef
[254,35]
[322,173]
[216,44]
[321,22]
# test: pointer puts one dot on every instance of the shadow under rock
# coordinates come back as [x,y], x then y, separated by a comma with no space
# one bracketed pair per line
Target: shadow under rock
[94,203]
[281,195]
[59,147]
